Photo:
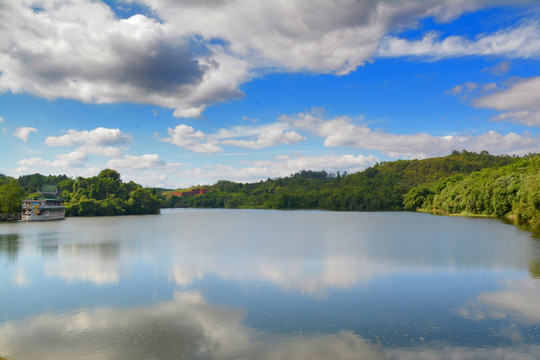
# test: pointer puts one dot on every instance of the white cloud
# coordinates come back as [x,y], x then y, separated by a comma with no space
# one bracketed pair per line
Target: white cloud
[342,131]
[99,141]
[80,50]
[198,53]
[147,161]
[269,138]
[185,136]
[249,137]
[519,102]
[317,36]
[107,151]
[75,159]
[279,166]
[147,170]
[98,137]
[522,41]
[2,120]
[23,132]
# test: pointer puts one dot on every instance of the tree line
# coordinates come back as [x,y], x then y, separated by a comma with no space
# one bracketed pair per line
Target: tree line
[463,182]
[104,194]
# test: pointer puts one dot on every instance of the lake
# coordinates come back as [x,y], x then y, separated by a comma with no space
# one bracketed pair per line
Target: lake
[256,284]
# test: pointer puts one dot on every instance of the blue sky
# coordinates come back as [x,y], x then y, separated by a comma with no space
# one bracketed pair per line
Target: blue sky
[179,93]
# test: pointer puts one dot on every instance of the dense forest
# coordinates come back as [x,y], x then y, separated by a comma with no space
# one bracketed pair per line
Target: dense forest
[511,191]
[11,196]
[462,183]
[104,194]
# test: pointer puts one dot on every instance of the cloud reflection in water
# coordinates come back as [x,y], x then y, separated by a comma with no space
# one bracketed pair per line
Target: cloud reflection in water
[189,327]
[519,301]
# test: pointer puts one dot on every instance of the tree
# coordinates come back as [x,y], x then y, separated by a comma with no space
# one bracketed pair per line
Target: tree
[109,174]
[11,196]
[143,201]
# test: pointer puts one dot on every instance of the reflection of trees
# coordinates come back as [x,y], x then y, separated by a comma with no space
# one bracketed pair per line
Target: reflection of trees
[534,268]
[534,262]
[9,244]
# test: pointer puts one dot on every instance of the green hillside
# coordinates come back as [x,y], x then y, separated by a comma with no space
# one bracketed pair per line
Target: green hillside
[461,183]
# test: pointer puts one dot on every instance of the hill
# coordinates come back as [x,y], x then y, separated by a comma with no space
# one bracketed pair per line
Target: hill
[453,184]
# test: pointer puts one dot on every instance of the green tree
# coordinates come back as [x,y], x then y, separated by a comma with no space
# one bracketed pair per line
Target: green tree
[109,174]
[11,196]
[143,201]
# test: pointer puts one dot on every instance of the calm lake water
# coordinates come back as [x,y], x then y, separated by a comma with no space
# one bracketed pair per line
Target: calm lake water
[254,284]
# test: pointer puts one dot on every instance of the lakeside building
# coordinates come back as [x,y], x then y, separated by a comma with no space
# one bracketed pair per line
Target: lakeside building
[47,206]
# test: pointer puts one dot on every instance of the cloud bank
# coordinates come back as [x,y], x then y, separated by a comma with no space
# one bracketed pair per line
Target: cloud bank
[195,54]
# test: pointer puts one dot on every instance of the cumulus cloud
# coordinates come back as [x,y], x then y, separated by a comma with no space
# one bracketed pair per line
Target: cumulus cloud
[278,166]
[100,136]
[24,132]
[253,137]
[185,136]
[342,131]
[147,161]
[522,41]
[318,36]
[99,141]
[267,139]
[80,50]
[258,137]
[73,159]
[519,102]
[199,53]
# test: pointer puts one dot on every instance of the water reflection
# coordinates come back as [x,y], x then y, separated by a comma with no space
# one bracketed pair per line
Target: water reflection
[96,263]
[518,301]
[269,285]
[186,327]
[309,253]
[313,277]
[9,246]
[534,268]
[192,328]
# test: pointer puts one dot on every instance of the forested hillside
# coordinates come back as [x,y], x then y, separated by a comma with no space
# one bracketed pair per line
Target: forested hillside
[463,182]
[106,194]
[380,187]
[511,191]
[31,184]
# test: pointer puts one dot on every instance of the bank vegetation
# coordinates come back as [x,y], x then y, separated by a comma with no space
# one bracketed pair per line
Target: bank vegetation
[462,183]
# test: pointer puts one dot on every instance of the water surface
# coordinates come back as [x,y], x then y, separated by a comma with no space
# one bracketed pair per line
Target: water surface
[253,284]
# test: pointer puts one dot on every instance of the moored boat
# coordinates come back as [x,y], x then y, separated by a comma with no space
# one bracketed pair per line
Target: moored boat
[47,206]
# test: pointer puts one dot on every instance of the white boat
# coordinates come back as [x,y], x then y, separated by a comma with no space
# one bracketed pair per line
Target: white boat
[48,206]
